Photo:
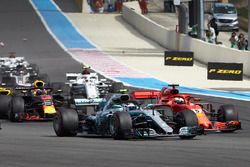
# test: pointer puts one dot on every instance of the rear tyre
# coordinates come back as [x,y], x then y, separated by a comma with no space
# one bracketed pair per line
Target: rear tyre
[16,113]
[121,125]
[66,122]
[187,118]
[227,113]
[4,105]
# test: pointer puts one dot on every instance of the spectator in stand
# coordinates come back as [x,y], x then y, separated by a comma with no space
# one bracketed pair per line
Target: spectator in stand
[171,6]
[210,34]
[99,6]
[143,6]
[233,39]
[241,42]
[194,31]
[140,2]
[246,42]
[119,6]
[214,25]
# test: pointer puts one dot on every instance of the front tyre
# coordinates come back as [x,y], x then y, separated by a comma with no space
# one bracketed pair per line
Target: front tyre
[227,113]
[120,125]
[5,102]
[66,122]
[16,114]
[187,119]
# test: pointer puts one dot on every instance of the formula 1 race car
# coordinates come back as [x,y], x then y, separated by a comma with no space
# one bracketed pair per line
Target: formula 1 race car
[27,103]
[16,71]
[94,87]
[12,61]
[175,106]
[86,91]
[121,118]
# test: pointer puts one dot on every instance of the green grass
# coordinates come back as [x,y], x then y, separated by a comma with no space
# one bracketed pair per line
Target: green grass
[243,12]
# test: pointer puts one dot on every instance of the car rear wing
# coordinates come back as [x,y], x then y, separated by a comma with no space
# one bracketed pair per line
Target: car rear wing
[8,58]
[88,102]
[72,77]
[26,89]
[154,94]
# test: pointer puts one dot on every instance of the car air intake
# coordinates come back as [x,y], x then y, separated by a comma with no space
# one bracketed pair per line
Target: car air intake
[39,84]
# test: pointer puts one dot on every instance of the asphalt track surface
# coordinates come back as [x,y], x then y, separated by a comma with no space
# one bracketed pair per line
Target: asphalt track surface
[23,33]
[32,144]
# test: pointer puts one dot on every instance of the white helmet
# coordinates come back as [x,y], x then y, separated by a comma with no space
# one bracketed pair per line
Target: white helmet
[179,100]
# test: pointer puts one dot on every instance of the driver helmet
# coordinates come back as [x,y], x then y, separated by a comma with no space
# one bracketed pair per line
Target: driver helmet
[179,100]
[118,108]
[131,106]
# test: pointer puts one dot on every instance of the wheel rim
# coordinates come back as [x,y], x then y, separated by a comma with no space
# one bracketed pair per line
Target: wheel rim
[56,123]
[181,120]
[112,126]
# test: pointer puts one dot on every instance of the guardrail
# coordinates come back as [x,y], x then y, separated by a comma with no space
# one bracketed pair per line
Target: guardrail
[203,51]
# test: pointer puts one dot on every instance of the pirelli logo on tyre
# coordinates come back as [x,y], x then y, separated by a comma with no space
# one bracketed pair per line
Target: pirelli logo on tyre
[225,71]
[175,58]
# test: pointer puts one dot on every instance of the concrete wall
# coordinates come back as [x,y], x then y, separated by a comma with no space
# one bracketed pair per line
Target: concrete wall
[79,3]
[203,51]
[83,5]
[243,23]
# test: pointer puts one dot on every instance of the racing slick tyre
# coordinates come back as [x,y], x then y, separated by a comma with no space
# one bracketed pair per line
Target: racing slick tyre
[16,114]
[116,87]
[4,106]
[66,122]
[187,118]
[227,113]
[120,125]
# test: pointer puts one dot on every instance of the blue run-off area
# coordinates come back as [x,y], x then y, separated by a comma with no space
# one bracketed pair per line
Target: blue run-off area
[60,26]
[67,34]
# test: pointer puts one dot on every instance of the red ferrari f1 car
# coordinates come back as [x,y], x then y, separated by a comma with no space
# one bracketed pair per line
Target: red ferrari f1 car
[185,110]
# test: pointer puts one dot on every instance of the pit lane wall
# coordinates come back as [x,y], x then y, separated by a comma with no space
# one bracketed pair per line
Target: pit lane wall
[203,51]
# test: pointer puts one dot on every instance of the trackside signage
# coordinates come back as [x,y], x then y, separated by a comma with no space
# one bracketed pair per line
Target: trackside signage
[175,58]
[225,71]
